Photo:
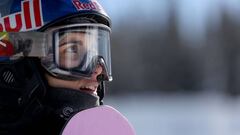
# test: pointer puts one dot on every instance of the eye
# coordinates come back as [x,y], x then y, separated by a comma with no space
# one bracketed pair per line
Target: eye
[73,48]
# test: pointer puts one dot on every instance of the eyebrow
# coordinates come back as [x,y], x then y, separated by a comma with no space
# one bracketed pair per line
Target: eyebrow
[78,42]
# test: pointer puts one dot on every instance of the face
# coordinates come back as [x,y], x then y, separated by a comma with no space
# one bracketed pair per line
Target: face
[74,51]
[86,85]
[72,47]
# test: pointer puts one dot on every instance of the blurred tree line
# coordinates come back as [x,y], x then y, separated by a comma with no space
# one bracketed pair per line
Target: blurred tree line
[149,58]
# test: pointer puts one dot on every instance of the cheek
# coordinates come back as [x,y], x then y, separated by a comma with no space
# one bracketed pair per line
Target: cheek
[69,61]
[54,82]
[80,83]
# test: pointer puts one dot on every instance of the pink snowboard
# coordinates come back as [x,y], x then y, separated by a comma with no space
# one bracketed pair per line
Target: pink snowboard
[103,120]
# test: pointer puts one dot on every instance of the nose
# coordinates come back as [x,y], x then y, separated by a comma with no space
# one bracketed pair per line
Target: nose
[97,72]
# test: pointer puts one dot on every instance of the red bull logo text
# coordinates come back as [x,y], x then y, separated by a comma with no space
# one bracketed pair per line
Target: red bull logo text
[29,18]
[85,6]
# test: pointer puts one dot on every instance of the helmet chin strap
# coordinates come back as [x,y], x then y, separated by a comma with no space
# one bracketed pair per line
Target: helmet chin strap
[101,92]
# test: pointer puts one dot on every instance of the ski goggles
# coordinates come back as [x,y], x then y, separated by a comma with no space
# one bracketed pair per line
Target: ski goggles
[70,52]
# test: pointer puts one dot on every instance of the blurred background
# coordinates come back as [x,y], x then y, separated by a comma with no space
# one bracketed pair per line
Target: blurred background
[176,65]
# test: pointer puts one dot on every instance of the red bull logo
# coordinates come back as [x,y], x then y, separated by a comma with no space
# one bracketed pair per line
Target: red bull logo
[29,18]
[85,6]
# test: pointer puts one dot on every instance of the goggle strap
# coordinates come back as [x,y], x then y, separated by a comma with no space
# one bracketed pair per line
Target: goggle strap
[31,44]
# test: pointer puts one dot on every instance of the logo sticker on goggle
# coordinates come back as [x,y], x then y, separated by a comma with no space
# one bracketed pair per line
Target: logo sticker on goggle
[6,47]
[29,18]
[3,36]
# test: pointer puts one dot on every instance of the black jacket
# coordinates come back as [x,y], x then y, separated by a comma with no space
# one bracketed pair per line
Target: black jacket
[28,106]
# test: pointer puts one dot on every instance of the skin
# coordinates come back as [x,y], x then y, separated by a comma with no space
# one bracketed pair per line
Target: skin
[85,85]
[72,46]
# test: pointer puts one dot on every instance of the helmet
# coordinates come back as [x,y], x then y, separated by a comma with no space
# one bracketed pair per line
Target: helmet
[71,37]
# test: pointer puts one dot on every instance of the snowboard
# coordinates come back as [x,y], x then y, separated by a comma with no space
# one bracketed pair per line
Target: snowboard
[102,120]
